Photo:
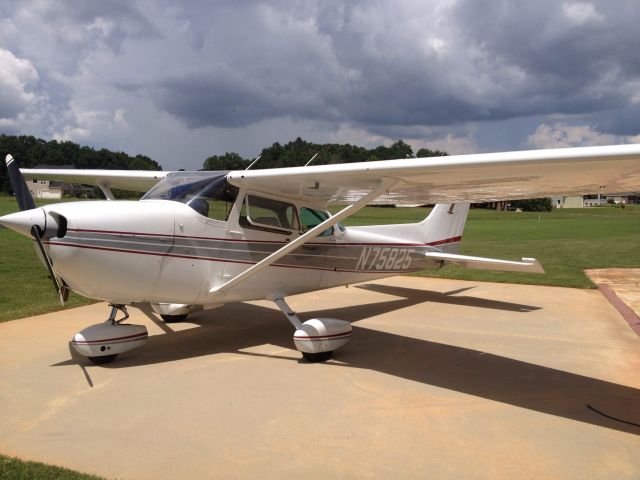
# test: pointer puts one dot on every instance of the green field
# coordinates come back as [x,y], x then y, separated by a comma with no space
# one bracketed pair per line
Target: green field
[565,241]
[15,469]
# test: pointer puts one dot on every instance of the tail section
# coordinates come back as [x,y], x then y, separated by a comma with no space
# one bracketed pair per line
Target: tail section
[444,225]
[442,228]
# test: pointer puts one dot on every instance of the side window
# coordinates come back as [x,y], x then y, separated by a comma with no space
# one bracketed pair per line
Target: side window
[219,209]
[268,214]
[310,218]
[215,200]
[211,207]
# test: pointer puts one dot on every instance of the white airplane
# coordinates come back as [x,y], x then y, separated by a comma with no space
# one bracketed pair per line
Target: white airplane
[197,240]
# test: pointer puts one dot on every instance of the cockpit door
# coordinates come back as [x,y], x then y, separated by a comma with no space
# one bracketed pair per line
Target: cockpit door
[199,247]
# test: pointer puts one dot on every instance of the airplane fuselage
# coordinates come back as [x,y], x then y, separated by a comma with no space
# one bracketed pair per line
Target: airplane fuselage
[162,251]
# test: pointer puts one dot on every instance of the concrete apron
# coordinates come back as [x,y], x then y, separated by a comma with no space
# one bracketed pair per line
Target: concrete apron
[441,379]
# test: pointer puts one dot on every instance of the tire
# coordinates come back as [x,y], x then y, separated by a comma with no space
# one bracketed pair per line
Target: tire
[317,357]
[173,318]
[103,359]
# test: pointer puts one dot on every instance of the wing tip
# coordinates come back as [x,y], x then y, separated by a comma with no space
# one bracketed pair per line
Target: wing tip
[536,266]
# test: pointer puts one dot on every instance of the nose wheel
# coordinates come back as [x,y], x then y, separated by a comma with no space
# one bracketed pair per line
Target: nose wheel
[103,342]
[103,360]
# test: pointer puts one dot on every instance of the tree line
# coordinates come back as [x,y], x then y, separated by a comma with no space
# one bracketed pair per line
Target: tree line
[32,152]
[299,151]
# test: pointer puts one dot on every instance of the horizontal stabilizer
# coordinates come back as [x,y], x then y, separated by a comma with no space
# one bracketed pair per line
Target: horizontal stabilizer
[529,265]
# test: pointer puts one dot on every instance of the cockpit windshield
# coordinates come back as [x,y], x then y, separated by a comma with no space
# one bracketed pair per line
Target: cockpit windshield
[208,193]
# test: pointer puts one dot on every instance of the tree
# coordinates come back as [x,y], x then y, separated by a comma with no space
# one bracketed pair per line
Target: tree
[228,161]
[427,152]
[397,150]
[533,204]
[298,152]
[31,151]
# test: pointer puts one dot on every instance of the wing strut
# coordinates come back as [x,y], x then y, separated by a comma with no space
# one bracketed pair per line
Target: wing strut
[106,189]
[383,187]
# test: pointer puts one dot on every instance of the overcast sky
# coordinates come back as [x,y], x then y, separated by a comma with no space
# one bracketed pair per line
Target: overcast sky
[180,81]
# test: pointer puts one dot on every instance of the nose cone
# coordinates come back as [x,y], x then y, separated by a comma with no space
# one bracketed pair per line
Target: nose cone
[22,222]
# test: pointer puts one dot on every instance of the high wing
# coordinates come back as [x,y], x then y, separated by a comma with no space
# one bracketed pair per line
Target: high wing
[461,178]
[134,180]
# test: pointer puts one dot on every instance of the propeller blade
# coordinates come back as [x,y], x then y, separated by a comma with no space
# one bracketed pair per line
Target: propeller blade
[21,221]
[59,285]
[20,190]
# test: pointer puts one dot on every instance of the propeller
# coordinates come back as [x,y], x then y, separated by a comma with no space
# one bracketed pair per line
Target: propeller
[58,283]
[26,221]
[20,190]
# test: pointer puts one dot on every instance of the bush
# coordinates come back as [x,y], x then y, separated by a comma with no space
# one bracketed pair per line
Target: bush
[533,204]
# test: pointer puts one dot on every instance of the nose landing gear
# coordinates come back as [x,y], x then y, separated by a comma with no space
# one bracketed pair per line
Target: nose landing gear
[103,342]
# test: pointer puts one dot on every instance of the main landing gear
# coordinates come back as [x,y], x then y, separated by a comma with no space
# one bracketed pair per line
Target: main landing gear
[174,312]
[317,338]
[103,342]
[174,318]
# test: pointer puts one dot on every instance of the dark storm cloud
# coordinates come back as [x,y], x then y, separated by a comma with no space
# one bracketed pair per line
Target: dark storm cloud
[567,41]
[621,121]
[225,99]
[109,22]
[358,71]
[576,55]
[202,100]
[500,60]
[60,35]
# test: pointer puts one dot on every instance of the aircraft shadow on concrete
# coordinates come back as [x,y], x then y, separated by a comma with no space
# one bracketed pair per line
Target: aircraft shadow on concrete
[450,298]
[236,327]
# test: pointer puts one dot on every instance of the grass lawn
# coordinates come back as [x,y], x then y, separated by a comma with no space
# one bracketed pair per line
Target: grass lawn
[565,241]
[15,469]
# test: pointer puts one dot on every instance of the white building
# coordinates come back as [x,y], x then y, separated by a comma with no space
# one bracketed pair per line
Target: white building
[580,201]
[45,189]
[55,189]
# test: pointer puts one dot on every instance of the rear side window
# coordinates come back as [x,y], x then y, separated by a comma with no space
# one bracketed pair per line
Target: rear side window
[268,214]
[310,218]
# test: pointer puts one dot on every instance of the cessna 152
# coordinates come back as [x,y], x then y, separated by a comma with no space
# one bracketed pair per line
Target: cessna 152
[197,240]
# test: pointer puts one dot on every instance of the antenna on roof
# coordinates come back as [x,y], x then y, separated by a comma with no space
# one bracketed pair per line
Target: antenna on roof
[253,163]
[316,154]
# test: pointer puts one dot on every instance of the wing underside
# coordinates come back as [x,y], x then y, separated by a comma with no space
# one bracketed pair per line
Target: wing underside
[134,180]
[463,178]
